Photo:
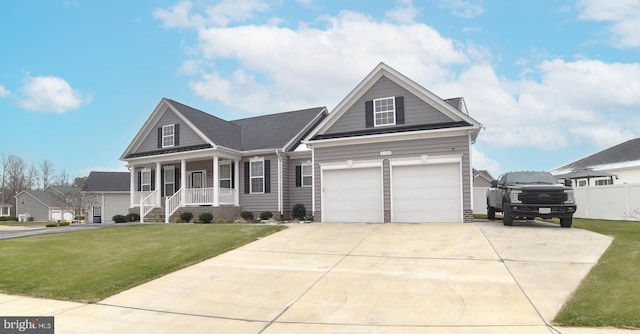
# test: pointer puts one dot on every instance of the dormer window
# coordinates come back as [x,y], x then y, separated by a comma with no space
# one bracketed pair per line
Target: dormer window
[168,135]
[384,111]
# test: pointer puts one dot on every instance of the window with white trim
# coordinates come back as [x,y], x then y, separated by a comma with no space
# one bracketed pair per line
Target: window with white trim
[145,180]
[384,111]
[225,176]
[168,135]
[256,176]
[604,182]
[169,180]
[307,175]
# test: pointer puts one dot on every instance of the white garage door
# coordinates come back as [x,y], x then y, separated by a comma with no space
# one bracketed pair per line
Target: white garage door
[426,193]
[352,195]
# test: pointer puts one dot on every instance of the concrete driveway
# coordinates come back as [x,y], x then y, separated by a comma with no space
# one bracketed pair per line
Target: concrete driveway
[355,278]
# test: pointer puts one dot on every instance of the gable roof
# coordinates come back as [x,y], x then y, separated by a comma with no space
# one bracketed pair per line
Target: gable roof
[482,173]
[623,155]
[454,109]
[107,182]
[274,131]
[48,197]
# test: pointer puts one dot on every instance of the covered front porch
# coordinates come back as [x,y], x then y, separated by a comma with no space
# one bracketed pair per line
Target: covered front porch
[172,184]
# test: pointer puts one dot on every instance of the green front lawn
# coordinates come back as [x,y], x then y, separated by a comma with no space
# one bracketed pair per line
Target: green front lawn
[610,294]
[94,264]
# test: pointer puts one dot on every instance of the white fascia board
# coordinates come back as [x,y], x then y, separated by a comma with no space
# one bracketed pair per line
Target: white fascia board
[145,129]
[395,136]
[305,129]
[192,126]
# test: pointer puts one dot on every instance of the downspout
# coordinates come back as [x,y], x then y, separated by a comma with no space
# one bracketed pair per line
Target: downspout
[280,204]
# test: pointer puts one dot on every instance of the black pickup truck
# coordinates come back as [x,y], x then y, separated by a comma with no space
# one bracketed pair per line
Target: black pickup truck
[527,195]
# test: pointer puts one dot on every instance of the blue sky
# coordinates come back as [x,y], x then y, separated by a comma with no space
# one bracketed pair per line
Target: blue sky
[551,80]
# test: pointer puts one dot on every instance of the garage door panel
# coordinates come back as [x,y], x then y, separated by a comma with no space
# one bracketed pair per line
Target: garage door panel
[352,195]
[426,193]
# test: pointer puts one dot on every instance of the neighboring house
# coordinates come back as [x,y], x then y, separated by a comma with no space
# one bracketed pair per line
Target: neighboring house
[616,165]
[5,209]
[391,151]
[482,178]
[51,204]
[106,194]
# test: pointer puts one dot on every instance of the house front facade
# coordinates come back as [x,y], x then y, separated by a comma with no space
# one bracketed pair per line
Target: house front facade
[51,204]
[391,151]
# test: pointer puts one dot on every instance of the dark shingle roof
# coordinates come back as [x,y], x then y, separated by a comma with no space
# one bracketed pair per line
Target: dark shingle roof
[107,181]
[275,130]
[624,152]
[220,132]
[255,133]
[48,198]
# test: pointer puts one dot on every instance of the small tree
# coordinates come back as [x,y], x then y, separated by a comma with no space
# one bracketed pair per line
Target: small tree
[298,211]
[206,217]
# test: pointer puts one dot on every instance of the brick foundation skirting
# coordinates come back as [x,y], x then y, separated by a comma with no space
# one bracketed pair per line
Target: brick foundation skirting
[468,216]
[226,212]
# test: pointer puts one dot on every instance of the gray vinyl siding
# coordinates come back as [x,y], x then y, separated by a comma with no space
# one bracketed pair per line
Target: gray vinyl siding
[112,204]
[416,111]
[35,208]
[299,194]
[260,202]
[188,137]
[399,149]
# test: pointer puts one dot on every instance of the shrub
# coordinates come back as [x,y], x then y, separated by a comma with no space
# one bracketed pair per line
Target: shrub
[178,220]
[298,211]
[266,215]
[119,219]
[186,216]
[206,217]
[247,215]
[8,218]
[52,225]
[133,217]
[78,218]
[222,221]
[64,223]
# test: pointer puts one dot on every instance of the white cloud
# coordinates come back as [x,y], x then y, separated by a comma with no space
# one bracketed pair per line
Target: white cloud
[467,9]
[556,103]
[623,17]
[482,162]
[405,13]
[277,61]
[4,92]
[221,14]
[50,94]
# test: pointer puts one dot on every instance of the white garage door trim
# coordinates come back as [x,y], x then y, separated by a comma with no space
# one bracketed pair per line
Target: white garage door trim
[354,166]
[426,161]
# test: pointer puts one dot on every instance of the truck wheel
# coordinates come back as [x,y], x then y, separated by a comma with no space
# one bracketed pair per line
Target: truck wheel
[506,214]
[491,213]
[566,222]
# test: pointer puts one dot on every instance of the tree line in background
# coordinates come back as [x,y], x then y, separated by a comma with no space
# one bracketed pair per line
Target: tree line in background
[16,175]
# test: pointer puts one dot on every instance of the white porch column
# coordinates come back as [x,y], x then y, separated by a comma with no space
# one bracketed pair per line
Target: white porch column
[216,181]
[159,184]
[183,181]
[236,182]
[132,186]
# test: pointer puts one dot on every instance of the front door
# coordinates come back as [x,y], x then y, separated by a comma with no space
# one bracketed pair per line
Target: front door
[97,214]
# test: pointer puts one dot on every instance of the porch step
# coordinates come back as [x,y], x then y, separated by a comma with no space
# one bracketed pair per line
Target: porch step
[155,216]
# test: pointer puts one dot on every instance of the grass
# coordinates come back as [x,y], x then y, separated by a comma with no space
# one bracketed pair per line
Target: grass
[91,265]
[610,294]
[23,224]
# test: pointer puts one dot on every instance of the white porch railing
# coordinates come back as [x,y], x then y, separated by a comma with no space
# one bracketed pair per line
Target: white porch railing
[139,195]
[172,204]
[147,204]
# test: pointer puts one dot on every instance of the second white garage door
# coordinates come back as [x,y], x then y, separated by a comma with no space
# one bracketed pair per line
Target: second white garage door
[426,193]
[352,195]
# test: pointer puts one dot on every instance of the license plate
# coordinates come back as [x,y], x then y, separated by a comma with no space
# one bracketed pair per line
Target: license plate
[544,211]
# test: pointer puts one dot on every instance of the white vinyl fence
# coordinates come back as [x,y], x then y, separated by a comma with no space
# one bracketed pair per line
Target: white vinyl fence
[615,202]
